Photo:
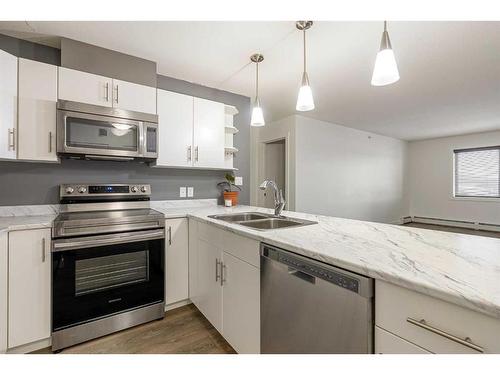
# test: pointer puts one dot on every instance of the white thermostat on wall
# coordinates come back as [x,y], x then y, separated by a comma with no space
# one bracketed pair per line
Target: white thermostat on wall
[238,181]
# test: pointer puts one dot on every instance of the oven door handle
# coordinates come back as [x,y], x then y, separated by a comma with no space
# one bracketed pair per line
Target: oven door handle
[104,240]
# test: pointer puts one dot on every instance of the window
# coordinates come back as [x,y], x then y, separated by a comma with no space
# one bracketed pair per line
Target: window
[477,172]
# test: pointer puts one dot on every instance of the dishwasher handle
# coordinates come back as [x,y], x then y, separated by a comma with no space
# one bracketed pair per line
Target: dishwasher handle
[310,270]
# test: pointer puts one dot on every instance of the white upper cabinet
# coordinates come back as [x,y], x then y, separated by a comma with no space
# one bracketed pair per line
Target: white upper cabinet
[175,116]
[134,97]
[93,89]
[37,111]
[209,133]
[29,286]
[8,105]
[83,87]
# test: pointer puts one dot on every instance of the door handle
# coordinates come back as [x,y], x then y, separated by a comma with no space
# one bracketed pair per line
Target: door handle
[170,235]
[44,254]
[50,142]
[189,157]
[222,273]
[465,342]
[12,139]
[106,87]
[196,153]
[116,99]
[301,275]
[217,269]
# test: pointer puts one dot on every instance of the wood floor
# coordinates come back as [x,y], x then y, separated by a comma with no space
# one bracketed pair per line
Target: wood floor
[183,331]
[444,228]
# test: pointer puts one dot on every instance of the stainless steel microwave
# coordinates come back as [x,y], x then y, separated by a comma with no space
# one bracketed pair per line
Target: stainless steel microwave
[87,131]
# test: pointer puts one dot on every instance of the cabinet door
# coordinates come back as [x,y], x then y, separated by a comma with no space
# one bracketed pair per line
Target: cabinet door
[209,285]
[177,256]
[133,97]
[209,133]
[3,291]
[83,87]
[8,105]
[37,111]
[29,286]
[387,343]
[175,119]
[241,305]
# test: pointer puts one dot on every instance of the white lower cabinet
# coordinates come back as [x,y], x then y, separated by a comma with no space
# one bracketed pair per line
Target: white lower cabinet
[29,306]
[388,343]
[3,291]
[176,259]
[224,287]
[432,324]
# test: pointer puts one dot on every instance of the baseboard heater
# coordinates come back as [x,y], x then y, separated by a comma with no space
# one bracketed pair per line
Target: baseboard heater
[452,223]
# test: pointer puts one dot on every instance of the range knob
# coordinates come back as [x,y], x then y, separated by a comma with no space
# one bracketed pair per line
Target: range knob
[144,189]
[134,189]
[69,190]
[82,189]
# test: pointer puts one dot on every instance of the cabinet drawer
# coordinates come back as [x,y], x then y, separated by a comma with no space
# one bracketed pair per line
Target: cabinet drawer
[387,343]
[433,324]
[241,247]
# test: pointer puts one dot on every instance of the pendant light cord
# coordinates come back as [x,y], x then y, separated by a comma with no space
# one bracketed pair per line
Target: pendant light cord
[257,81]
[385,25]
[305,69]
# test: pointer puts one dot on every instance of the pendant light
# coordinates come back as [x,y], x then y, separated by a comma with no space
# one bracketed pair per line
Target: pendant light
[257,114]
[305,101]
[385,71]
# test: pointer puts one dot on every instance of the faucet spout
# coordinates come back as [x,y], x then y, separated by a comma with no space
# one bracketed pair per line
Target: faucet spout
[279,201]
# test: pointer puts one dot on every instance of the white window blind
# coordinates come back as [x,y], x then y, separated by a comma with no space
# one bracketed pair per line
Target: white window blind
[477,172]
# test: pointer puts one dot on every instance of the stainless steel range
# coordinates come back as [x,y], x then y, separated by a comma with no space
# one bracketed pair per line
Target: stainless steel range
[107,262]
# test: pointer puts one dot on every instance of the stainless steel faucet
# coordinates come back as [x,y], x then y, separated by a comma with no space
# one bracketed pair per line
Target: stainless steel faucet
[279,201]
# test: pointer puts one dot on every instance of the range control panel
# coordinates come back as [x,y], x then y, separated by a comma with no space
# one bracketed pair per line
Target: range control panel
[101,190]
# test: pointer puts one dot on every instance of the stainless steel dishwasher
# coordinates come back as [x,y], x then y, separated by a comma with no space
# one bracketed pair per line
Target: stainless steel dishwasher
[307,306]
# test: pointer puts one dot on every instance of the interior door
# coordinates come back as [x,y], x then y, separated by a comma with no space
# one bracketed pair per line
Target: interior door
[241,305]
[209,133]
[83,87]
[37,111]
[133,97]
[29,286]
[209,287]
[176,278]
[8,105]
[175,116]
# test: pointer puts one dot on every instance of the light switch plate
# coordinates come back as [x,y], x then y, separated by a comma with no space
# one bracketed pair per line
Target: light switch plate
[238,180]
[182,192]
[190,192]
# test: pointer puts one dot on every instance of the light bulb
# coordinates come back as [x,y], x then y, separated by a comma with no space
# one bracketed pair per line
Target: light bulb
[386,68]
[257,116]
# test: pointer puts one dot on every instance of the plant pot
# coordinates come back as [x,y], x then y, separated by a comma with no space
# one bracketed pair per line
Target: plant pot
[233,196]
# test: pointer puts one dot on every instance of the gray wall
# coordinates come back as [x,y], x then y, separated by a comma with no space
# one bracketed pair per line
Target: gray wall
[36,183]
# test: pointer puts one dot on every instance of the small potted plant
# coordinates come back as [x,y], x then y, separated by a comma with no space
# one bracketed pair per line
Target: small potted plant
[229,189]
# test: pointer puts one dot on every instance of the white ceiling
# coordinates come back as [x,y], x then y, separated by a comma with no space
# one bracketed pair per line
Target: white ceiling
[450,71]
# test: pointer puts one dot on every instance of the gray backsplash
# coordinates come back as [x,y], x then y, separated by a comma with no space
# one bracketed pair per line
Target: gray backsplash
[23,183]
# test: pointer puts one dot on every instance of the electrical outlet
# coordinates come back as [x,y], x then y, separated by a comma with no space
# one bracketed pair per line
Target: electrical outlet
[238,181]
[182,192]
[190,192]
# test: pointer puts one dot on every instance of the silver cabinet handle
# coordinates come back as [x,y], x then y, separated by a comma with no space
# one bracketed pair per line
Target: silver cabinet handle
[170,235]
[116,99]
[50,142]
[217,269]
[196,153]
[106,86]
[222,273]
[466,342]
[43,250]
[189,153]
[12,139]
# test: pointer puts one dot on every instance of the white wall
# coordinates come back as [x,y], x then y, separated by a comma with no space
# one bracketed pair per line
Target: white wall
[431,180]
[349,173]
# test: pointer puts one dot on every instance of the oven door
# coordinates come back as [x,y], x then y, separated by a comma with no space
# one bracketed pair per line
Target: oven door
[88,134]
[98,276]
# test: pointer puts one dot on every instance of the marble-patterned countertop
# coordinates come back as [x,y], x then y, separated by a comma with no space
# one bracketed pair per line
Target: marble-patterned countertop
[459,268]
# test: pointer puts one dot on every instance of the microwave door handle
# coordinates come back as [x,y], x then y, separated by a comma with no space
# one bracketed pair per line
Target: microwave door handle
[112,239]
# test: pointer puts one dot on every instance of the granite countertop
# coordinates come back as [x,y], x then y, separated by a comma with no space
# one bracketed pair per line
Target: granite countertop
[459,268]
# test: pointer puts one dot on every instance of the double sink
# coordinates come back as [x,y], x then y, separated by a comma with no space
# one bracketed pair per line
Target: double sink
[262,221]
